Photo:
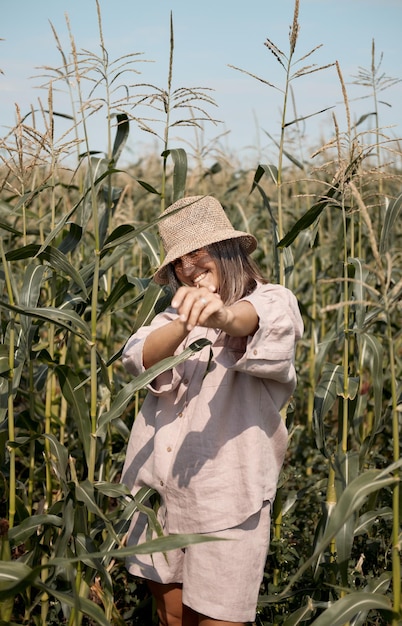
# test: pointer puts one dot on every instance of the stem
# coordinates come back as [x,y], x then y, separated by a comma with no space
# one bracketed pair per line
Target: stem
[277,520]
[279,183]
[167,109]
[396,559]
[94,374]
[10,399]
[345,405]
[312,351]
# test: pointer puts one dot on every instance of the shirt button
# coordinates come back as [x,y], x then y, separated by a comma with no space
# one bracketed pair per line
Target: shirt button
[180,415]
[161,483]
[169,449]
[254,351]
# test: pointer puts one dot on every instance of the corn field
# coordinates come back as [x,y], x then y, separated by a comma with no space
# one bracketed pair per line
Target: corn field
[78,247]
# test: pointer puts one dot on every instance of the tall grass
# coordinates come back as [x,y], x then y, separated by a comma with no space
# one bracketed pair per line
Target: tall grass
[78,246]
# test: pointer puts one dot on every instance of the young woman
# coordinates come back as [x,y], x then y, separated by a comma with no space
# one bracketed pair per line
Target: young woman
[209,438]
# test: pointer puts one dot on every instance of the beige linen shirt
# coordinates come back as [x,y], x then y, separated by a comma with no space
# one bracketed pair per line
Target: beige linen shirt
[209,437]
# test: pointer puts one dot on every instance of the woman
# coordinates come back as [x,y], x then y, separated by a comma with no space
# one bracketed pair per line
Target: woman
[209,438]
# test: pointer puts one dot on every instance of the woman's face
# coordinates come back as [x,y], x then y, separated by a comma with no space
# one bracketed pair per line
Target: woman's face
[197,269]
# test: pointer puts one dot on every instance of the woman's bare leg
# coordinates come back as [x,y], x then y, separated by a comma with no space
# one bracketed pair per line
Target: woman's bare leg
[169,605]
[172,612]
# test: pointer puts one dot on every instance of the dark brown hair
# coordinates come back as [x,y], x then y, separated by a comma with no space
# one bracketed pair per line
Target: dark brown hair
[237,272]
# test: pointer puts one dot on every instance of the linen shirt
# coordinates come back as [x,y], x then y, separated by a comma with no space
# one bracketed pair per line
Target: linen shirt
[209,437]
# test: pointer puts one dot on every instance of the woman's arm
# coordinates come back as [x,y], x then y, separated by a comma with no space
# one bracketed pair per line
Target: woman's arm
[163,342]
[198,307]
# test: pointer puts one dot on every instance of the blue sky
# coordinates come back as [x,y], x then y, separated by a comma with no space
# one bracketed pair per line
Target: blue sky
[209,36]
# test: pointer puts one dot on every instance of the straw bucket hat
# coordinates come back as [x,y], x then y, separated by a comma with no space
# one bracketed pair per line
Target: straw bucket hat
[197,221]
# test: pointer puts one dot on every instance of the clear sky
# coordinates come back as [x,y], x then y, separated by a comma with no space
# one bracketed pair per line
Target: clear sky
[211,35]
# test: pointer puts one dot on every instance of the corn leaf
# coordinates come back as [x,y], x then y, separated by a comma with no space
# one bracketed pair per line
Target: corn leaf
[324,398]
[120,140]
[30,525]
[351,500]
[74,393]
[150,300]
[346,608]
[56,259]
[179,158]
[126,393]
[390,218]
[160,544]
[65,318]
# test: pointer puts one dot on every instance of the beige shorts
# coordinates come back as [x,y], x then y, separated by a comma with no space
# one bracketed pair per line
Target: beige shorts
[220,579]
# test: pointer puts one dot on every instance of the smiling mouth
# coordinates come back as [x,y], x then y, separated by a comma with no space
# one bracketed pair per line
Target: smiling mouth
[199,278]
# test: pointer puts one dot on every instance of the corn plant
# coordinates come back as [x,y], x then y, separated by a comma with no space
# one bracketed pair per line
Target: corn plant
[61,391]
[77,251]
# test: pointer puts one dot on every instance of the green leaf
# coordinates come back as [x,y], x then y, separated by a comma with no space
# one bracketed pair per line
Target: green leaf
[346,470]
[306,117]
[307,219]
[291,158]
[376,585]
[147,311]
[151,244]
[75,396]
[125,517]
[64,318]
[97,170]
[78,603]
[352,387]
[160,544]
[301,615]
[123,129]
[11,572]
[56,259]
[9,229]
[270,170]
[148,187]
[363,118]
[179,157]
[84,492]
[30,525]
[369,519]
[351,500]
[153,523]
[287,253]
[112,490]
[126,393]
[59,458]
[330,199]
[372,358]
[27,197]
[122,286]
[61,224]
[388,229]
[359,291]
[72,239]
[324,398]
[4,358]
[126,233]
[29,296]
[343,610]
[32,285]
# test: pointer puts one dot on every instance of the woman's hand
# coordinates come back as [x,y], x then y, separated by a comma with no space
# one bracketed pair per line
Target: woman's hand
[200,307]
[204,307]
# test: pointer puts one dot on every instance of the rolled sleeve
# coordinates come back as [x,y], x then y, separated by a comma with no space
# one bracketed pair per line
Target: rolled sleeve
[269,353]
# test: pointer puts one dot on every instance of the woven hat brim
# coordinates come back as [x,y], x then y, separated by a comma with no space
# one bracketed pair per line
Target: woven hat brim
[247,241]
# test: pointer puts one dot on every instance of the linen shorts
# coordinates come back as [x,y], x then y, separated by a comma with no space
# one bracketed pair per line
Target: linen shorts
[220,579]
